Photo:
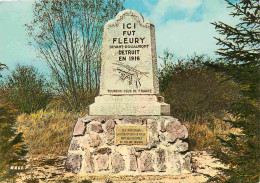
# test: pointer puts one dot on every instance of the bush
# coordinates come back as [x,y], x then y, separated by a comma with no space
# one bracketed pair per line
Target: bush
[27,89]
[11,146]
[194,90]
[47,132]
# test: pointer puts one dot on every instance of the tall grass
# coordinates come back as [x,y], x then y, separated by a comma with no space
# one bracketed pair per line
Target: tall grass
[50,131]
[46,131]
[203,135]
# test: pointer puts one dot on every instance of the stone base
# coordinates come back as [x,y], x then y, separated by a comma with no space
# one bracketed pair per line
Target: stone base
[128,105]
[93,150]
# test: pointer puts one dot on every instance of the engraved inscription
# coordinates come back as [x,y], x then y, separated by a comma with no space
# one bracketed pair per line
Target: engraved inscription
[131,135]
[128,56]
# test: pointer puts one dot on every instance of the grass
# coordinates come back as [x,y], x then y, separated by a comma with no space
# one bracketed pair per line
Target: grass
[47,131]
[202,135]
[50,131]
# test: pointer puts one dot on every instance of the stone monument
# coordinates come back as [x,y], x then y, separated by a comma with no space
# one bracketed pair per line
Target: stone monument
[129,130]
[128,81]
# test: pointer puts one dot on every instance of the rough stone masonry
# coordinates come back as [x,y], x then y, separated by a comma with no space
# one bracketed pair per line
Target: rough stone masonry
[129,130]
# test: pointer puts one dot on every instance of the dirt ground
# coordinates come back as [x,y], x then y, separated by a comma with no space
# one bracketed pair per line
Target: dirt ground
[51,169]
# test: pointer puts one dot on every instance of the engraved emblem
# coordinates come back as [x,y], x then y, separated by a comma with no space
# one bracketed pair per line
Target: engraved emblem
[129,74]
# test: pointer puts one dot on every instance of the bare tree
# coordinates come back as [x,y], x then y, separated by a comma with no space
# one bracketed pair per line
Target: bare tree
[68,36]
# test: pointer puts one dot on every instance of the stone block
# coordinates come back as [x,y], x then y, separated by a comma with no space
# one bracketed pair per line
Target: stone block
[95,126]
[86,119]
[146,162]
[74,145]
[89,162]
[133,162]
[73,163]
[152,128]
[125,105]
[79,128]
[118,162]
[180,146]
[105,150]
[175,130]
[161,160]
[109,126]
[129,120]
[94,140]
[109,131]
[102,162]
[174,161]
[162,125]
[186,162]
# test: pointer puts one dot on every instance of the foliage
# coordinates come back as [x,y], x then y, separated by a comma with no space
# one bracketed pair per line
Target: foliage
[193,90]
[53,134]
[11,147]
[27,89]
[240,55]
[202,135]
[68,36]
[2,67]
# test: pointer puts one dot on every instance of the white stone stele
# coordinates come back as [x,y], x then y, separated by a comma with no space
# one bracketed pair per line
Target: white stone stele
[128,81]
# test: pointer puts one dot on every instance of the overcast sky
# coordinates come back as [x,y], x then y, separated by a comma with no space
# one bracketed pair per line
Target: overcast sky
[182,26]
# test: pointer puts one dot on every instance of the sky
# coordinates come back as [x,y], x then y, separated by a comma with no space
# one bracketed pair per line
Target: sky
[181,26]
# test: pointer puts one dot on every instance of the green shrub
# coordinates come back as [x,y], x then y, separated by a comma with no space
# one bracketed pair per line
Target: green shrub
[239,52]
[11,146]
[27,89]
[193,90]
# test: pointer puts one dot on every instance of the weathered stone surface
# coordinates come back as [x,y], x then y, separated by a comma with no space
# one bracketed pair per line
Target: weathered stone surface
[162,125]
[105,150]
[73,163]
[132,154]
[130,120]
[74,145]
[102,162]
[180,146]
[152,127]
[118,162]
[86,119]
[109,125]
[133,162]
[109,131]
[94,140]
[161,160]
[89,162]
[174,161]
[159,156]
[146,162]
[186,162]
[175,130]
[95,126]
[79,128]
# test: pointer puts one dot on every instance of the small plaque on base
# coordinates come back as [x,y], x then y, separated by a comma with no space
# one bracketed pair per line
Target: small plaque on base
[131,135]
